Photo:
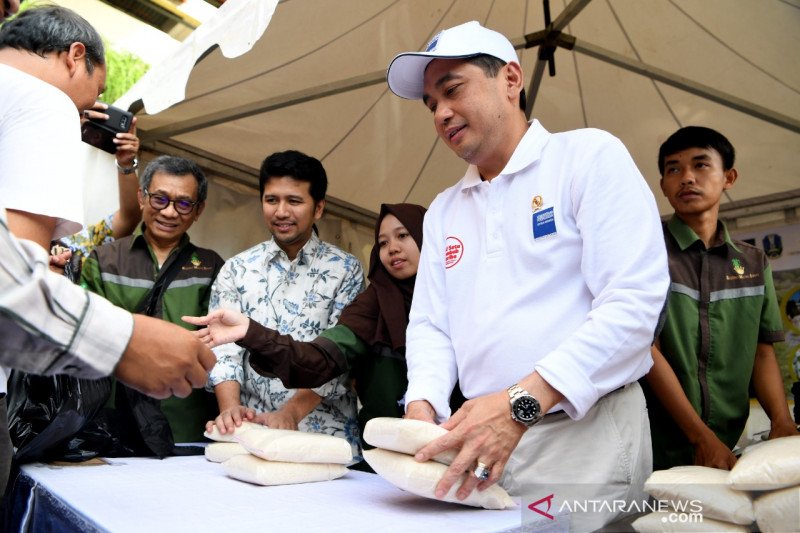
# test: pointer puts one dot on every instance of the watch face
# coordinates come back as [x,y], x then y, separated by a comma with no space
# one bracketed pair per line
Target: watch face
[526,409]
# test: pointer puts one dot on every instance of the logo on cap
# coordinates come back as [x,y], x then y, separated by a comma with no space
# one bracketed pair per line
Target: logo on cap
[433,43]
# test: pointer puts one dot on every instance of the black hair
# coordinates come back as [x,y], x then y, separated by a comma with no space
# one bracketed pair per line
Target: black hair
[175,166]
[46,29]
[697,137]
[296,165]
[491,65]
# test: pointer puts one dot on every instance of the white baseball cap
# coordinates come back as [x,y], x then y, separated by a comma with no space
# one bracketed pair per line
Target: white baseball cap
[406,71]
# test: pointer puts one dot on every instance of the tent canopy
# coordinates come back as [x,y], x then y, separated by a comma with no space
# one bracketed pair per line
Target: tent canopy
[315,81]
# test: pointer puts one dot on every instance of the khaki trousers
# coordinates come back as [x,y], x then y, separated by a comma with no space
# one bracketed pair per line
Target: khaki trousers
[604,457]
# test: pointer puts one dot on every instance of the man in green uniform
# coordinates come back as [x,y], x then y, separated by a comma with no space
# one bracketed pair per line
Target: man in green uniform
[722,316]
[171,196]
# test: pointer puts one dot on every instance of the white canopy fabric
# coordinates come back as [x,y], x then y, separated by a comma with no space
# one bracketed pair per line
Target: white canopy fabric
[315,81]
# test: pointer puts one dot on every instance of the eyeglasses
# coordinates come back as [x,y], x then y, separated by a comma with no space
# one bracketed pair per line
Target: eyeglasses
[160,202]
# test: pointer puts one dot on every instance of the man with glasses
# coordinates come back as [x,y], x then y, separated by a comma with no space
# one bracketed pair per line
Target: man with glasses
[172,196]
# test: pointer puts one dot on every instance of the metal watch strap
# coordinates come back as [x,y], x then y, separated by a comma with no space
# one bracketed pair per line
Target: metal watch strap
[515,391]
[128,170]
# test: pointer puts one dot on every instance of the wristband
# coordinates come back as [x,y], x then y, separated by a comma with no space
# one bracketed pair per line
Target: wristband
[128,170]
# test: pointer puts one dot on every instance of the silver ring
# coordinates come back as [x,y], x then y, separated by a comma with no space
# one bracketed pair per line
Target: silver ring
[481,472]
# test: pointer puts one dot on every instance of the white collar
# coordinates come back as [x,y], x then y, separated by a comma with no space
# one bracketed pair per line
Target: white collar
[527,152]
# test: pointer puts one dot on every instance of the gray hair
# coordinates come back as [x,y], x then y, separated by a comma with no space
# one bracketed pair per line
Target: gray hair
[52,29]
[175,166]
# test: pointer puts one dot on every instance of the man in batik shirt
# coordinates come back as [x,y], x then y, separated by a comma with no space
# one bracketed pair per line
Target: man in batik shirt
[293,283]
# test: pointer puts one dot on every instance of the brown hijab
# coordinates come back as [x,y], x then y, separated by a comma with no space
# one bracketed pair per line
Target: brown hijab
[379,315]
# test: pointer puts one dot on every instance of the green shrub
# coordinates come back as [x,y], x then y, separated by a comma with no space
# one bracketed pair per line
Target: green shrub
[123,70]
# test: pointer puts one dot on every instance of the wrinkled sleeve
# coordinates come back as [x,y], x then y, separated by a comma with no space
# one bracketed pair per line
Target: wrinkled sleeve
[300,364]
[432,372]
[624,266]
[50,325]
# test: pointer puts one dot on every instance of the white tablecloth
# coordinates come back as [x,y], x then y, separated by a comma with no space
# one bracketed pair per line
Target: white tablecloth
[192,494]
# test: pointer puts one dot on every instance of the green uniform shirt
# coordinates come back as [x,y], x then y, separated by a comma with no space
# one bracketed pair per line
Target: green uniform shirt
[124,271]
[378,372]
[721,304]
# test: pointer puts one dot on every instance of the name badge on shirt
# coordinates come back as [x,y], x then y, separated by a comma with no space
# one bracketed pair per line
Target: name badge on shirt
[544,223]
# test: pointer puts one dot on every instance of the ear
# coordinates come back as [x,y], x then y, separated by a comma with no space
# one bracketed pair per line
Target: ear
[199,210]
[140,197]
[76,56]
[730,178]
[661,184]
[318,209]
[513,80]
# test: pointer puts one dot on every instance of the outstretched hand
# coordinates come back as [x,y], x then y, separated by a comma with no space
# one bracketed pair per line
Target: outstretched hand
[222,326]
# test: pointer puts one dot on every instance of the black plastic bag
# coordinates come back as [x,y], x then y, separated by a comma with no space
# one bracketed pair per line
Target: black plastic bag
[45,412]
[142,424]
[66,418]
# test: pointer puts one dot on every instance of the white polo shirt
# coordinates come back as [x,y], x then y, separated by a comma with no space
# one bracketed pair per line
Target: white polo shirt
[556,265]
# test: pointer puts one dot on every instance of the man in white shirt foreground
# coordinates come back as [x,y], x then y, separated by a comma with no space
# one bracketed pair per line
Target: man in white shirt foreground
[52,68]
[542,276]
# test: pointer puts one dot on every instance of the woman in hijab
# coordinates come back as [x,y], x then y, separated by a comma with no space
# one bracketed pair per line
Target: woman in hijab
[369,339]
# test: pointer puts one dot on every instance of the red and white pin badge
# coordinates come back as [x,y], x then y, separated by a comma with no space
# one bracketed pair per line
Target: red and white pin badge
[453,251]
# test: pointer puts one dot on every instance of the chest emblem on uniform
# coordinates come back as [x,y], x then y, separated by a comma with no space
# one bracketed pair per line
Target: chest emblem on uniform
[453,251]
[537,202]
[738,267]
[195,261]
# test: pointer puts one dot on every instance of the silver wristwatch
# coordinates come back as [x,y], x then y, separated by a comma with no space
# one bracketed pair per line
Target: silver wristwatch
[525,409]
[128,170]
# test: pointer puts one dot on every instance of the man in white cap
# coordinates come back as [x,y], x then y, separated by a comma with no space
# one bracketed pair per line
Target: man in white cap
[542,276]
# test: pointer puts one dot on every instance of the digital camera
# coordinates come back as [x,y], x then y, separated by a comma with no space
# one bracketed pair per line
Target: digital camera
[101,133]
